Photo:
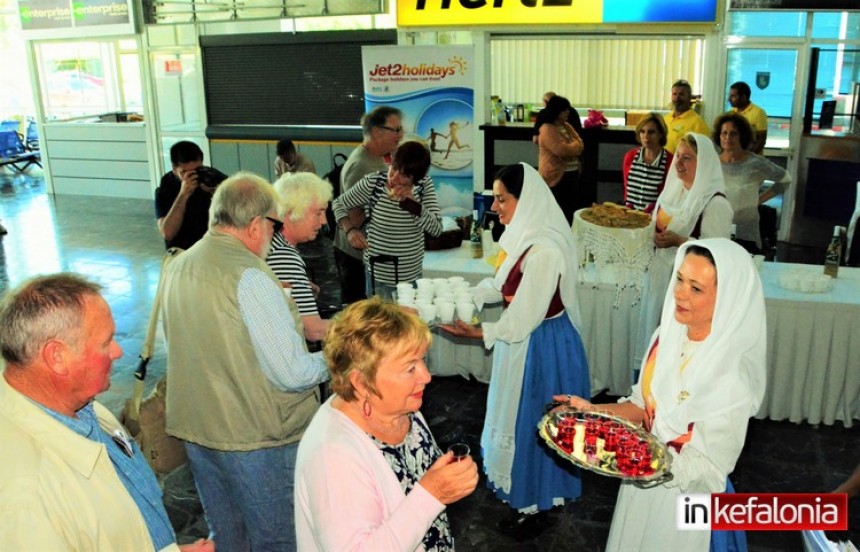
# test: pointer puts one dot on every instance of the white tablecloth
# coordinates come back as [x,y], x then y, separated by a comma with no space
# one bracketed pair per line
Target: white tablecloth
[813,349]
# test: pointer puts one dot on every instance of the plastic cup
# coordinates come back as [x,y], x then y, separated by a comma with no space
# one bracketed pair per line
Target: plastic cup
[465,312]
[424,283]
[446,312]
[461,451]
[406,293]
[454,279]
[758,261]
[427,311]
[462,297]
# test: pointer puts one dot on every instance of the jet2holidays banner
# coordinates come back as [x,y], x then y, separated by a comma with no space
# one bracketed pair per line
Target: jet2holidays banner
[434,88]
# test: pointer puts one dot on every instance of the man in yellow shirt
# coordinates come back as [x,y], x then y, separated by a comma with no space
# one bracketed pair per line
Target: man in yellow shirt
[72,479]
[682,119]
[739,98]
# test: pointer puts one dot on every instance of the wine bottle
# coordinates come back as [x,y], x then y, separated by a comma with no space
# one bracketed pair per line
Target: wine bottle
[476,236]
[834,253]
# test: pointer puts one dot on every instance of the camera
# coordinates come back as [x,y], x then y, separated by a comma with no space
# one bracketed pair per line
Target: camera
[209,177]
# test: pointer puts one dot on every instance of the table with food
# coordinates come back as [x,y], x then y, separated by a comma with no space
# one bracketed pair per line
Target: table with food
[617,241]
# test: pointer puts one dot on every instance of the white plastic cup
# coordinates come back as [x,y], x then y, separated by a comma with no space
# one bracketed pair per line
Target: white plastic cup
[406,300]
[445,312]
[458,287]
[427,311]
[822,283]
[453,280]
[407,293]
[758,261]
[465,311]
[462,297]
[424,283]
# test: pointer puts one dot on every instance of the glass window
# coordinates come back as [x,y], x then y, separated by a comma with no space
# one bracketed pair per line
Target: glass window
[836,25]
[87,78]
[838,71]
[772,90]
[761,23]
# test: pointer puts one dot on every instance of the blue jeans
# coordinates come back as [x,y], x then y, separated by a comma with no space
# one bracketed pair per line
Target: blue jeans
[247,496]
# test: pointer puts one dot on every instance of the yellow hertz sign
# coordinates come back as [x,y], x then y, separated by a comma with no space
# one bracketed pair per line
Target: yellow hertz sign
[450,13]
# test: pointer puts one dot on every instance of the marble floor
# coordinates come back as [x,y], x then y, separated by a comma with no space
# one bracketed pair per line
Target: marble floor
[115,242]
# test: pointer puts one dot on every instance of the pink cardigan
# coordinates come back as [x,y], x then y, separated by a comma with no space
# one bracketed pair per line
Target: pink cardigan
[348,498]
[554,152]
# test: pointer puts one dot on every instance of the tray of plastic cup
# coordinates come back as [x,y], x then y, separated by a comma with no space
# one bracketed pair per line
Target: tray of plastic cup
[606,444]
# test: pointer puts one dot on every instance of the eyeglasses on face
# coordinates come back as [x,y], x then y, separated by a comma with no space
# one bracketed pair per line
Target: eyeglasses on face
[395,130]
[277,225]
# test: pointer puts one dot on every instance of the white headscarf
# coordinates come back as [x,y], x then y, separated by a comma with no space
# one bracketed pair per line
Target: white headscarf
[538,220]
[685,206]
[728,367]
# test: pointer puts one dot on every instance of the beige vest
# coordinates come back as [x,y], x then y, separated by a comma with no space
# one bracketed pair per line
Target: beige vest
[217,394]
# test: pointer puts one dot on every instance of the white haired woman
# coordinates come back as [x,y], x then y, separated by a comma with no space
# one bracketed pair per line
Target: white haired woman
[304,197]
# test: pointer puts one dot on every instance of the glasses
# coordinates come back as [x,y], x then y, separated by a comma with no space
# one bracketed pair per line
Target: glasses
[277,225]
[395,130]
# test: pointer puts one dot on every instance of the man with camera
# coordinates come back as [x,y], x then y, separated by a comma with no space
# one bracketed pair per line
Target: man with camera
[182,199]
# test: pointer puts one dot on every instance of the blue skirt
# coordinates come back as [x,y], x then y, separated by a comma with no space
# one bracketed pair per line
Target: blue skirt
[555,364]
[728,541]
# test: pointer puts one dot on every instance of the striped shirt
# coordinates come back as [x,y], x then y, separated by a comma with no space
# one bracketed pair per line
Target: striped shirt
[645,180]
[391,230]
[288,265]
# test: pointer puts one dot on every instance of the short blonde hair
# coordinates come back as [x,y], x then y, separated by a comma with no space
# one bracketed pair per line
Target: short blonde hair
[364,333]
[298,191]
[658,121]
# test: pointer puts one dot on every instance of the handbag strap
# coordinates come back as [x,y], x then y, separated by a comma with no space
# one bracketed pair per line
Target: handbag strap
[146,349]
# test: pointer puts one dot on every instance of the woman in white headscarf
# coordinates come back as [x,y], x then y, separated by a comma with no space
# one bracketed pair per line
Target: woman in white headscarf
[537,345]
[692,205]
[702,380]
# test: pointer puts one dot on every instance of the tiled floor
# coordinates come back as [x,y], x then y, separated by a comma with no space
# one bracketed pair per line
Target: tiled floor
[114,242]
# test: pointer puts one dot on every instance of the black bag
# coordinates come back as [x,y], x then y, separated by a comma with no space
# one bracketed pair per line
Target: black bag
[338,160]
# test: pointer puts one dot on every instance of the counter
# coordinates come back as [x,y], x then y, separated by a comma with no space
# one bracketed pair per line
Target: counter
[98,158]
[599,164]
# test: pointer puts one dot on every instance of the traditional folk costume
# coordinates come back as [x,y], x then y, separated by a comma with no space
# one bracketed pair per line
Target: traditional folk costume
[538,352]
[698,398]
[700,212]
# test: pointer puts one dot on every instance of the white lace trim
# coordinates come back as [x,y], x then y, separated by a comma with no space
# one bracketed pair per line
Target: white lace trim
[619,254]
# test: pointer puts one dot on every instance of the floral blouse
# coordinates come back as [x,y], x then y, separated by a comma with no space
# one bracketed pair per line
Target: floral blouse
[410,460]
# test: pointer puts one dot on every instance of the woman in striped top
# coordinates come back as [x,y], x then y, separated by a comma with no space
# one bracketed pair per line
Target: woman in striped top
[645,167]
[401,206]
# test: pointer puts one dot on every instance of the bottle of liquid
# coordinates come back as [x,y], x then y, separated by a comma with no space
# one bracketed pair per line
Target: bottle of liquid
[834,253]
[476,236]
[503,117]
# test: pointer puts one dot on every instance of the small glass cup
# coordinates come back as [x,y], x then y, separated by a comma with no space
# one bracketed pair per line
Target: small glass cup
[460,450]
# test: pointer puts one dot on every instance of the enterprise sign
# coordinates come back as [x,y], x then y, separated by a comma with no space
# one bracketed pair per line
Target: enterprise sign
[74,17]
[452,13]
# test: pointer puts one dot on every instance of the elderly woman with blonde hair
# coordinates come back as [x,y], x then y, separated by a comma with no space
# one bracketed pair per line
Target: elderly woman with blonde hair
[303,198]
[369,475]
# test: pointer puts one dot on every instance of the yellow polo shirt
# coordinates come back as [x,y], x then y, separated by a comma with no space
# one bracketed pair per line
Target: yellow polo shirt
[755,115]
[688,121]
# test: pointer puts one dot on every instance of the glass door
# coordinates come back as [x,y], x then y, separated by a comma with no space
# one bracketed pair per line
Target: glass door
[772,74]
